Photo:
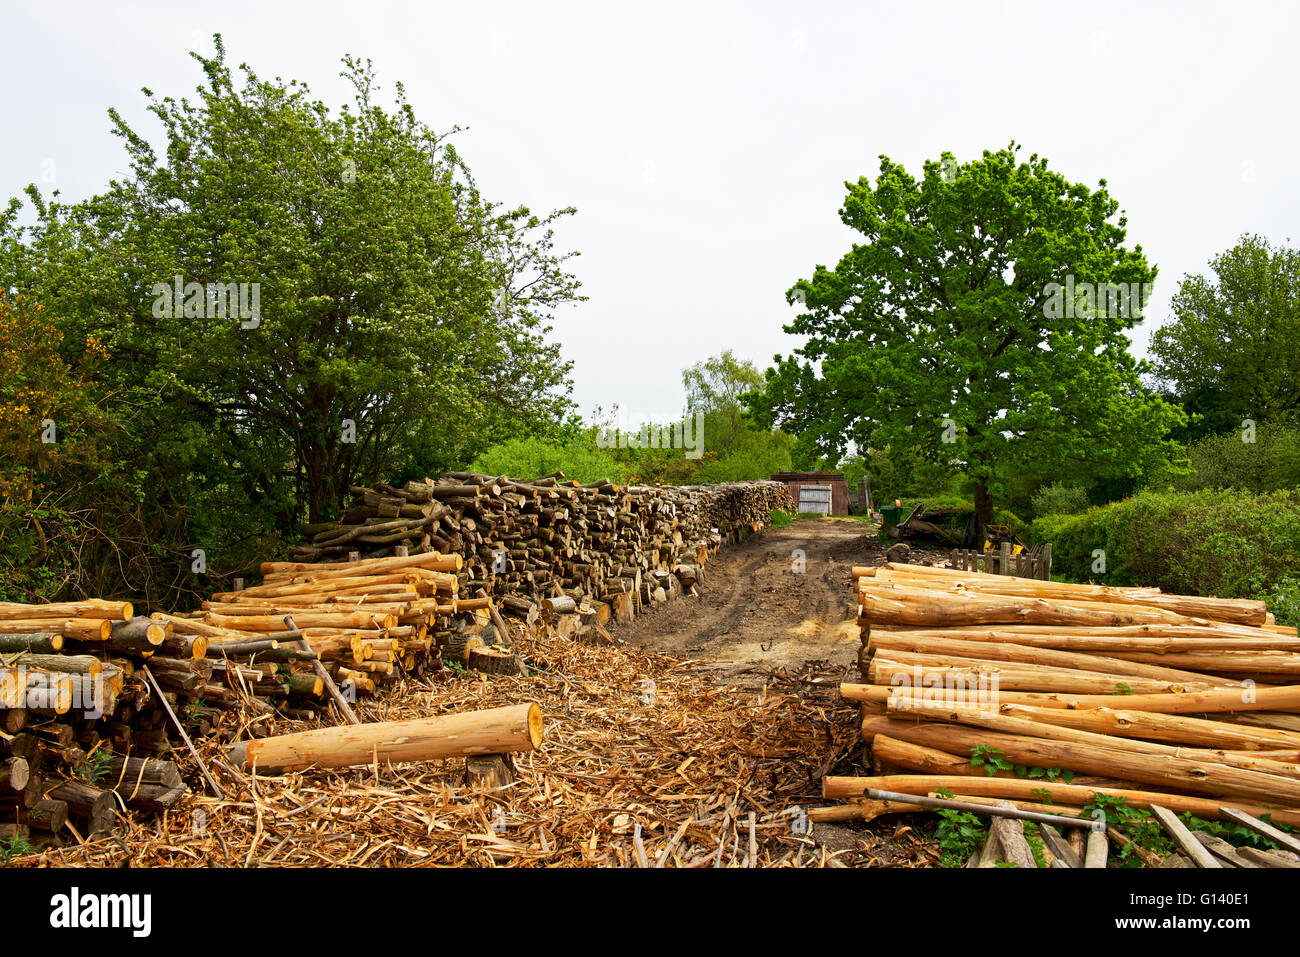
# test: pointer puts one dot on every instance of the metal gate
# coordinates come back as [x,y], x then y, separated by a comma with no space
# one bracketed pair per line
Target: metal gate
[815,499]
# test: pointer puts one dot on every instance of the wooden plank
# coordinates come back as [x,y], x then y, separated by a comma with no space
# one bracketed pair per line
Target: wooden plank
[1059,846]
[1265,858]
[1224,851]
[1097,850]
[1184,838]
[1289,841]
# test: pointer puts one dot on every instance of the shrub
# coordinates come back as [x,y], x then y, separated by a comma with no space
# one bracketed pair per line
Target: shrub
[1227,543]
[526,458]
[1269,463]
[1059,499]
[1284,601]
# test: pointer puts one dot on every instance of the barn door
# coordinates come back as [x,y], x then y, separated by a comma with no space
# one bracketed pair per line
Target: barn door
[815,499]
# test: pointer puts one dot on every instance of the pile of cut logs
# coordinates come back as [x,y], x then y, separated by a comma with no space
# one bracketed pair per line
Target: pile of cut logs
[1001,689]
[529,541]
[311,628]
[90,694]
[80,688]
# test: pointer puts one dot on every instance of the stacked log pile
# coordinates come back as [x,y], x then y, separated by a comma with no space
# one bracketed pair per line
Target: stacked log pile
[79,719]
[524,542]
[91,695]
[1070,691]
[307,627]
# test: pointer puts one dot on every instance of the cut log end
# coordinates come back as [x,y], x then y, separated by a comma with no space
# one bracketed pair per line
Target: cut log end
[535,725]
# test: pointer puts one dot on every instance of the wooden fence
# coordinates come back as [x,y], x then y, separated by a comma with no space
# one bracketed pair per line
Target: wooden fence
[1034,562]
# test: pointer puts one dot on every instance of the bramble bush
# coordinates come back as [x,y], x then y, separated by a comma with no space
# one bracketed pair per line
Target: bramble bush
[48,420]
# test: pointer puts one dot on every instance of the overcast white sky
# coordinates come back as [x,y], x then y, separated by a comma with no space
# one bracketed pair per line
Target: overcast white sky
[705,144]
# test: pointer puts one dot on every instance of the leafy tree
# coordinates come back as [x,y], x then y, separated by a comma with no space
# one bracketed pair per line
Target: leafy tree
[716,387]
[351,306]
[903,472]
[396,306]
[967,325]
[738,448]
[1234,344]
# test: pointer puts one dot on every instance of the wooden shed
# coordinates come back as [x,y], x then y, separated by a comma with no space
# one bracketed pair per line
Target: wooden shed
[825,493]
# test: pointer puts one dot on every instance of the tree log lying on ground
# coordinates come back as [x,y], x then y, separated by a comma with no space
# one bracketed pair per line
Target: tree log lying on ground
[496,731]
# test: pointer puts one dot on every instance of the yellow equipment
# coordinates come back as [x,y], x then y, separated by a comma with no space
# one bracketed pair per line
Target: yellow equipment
[995,535]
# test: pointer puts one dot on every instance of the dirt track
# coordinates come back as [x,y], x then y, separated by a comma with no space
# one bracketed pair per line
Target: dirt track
[756,611]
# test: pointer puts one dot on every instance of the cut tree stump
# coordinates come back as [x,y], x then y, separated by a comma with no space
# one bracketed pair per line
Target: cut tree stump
[495,660]
[489,771]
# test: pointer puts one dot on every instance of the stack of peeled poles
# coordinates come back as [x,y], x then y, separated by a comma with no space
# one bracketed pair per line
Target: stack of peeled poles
[352,625]
[82,714]
[611,549]
[90,694]
[1048,697]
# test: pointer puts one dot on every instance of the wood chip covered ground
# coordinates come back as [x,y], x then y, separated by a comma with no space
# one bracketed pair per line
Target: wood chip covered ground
[647,762]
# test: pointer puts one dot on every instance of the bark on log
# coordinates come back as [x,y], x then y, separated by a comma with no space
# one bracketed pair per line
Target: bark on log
[1076,795]
[499,730]
[1161,770]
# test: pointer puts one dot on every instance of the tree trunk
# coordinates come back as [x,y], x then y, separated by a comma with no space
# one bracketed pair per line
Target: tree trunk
[983,511]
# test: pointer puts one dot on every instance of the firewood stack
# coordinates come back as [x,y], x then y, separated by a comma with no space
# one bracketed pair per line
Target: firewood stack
[79,720]
[740,507]
[1002,688]
[599,544]
[364,622]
